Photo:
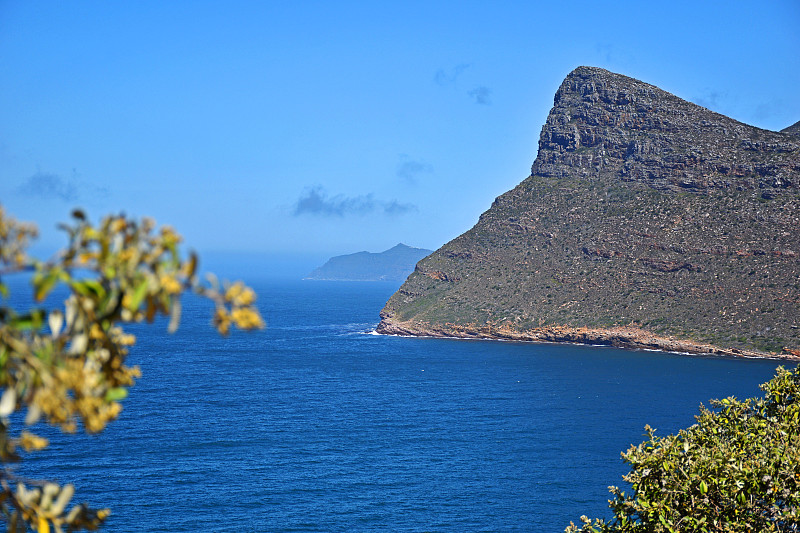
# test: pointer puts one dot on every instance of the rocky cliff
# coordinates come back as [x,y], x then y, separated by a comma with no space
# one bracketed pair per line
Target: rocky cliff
[646,221]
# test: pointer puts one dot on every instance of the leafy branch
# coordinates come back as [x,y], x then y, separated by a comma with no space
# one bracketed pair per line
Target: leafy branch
[66,366]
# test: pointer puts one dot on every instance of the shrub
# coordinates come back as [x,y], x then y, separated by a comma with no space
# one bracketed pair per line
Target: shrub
[736,470]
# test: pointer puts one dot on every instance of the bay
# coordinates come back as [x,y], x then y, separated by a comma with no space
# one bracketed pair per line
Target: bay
[315,424]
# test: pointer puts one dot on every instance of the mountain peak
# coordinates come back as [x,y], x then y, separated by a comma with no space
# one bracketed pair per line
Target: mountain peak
[604,124]
[794,129]
[647,221]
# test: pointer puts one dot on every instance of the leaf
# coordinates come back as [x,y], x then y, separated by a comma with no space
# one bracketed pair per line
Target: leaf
[31,442]
[8,402]
[703,487]
[43,286]
[116,394]
[67,491]
[138,295]
[49,490]
[55,320]
[96,287]
[175,316]
[33,320]
[89,288]
[79,344]
[33,415]
[80,287]
[192,267]
[70,311]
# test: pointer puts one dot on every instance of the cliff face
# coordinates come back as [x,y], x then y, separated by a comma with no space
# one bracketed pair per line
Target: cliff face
[646,221]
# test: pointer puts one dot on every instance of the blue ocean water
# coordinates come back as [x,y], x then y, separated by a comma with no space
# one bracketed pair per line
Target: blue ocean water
[314,424]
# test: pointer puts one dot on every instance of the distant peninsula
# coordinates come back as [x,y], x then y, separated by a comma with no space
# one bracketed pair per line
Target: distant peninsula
[395,264]
[647,221]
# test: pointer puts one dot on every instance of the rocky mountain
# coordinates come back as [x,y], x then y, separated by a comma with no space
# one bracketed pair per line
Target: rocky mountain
[395,264]
[794,129]
[647,221]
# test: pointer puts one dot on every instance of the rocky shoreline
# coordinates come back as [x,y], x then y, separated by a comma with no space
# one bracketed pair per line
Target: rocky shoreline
[619,337]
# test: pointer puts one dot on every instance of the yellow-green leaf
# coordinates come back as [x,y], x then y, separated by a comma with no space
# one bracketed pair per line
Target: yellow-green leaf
[138,295]
[117,393]
[43,286]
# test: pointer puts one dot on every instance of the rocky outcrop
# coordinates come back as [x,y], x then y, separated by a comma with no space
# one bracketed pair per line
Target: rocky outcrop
[643,213]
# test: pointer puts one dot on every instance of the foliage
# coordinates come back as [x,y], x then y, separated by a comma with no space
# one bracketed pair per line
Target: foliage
[67,366]
[736,470]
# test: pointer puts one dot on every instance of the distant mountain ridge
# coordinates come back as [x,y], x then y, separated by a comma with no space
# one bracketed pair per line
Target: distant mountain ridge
[394,264]
[647,221]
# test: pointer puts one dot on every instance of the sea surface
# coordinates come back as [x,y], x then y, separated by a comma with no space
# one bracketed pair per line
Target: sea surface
[317,424]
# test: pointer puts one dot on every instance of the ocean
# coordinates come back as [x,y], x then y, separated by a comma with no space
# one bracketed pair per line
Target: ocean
[318,424]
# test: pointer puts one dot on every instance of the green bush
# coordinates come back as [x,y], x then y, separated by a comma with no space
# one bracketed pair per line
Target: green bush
[736,470]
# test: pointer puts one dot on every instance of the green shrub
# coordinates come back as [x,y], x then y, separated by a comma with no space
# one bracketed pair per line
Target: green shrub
[736,470]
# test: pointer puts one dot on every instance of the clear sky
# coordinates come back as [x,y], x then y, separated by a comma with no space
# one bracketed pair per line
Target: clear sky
[323,128]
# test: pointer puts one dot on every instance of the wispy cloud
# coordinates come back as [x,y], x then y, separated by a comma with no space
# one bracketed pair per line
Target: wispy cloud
[316,201]
[449,76]
[409,169]
[607,51]
[482,95]
[760,114]
[610,55]
[711,99]
[395,208]
[765,111]
[49,187]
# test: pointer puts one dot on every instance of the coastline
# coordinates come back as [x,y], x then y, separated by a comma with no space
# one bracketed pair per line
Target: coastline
[618,337]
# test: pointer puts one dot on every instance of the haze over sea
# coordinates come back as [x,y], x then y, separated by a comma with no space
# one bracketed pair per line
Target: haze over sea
[314,424]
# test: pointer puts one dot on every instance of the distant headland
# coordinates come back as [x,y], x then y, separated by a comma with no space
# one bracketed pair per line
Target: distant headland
[394,264]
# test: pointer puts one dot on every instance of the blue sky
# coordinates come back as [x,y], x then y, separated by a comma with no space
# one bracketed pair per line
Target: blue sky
[312,129]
